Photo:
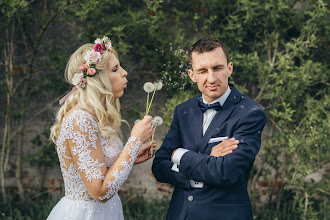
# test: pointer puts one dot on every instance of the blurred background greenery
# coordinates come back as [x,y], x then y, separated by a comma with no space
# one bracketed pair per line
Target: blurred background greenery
[280,51]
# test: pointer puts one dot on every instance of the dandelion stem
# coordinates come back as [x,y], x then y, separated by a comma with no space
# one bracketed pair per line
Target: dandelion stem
[152,140]
[152,137]
[152,98]
[147,104]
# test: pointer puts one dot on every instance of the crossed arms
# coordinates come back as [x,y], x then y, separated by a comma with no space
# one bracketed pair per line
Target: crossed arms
[213,169]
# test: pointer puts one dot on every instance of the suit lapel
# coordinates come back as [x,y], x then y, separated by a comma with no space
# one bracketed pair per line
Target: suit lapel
[222,115]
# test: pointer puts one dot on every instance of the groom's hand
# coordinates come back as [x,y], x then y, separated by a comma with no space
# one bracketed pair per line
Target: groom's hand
[224,148]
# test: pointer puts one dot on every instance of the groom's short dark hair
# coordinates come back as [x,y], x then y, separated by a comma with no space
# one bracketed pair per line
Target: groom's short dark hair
[205,45]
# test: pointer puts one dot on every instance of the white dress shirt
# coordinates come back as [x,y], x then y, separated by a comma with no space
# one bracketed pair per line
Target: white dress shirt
[207,119]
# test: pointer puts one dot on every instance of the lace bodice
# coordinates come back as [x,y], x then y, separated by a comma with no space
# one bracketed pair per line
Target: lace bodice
[91,156]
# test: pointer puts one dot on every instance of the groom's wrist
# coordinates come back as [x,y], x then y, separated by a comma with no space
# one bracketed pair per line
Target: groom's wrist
[177,155]
[173,154]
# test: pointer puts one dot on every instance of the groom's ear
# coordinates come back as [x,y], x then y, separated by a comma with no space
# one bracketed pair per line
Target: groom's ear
[191,75]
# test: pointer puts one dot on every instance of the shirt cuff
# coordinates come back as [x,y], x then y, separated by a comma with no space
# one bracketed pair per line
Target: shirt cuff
[178,154]
[175,168]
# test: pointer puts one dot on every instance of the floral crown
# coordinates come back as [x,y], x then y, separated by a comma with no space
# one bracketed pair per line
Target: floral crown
[92,58]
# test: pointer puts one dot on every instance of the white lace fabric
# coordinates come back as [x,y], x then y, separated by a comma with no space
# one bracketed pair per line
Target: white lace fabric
[91,165]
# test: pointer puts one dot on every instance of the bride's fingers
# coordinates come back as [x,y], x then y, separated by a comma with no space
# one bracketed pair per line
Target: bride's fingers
[146,146]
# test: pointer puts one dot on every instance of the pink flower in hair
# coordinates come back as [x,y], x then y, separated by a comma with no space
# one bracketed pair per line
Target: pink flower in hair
[84,67]
[93,57]
[91,71]
[98,48]
[79,80]
[108,46]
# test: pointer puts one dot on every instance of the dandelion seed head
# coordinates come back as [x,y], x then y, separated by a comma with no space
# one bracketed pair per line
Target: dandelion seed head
[157,121]
[148,87]
[158,85]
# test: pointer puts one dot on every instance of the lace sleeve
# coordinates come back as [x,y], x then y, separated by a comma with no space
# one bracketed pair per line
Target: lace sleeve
[100,182]
[119,174]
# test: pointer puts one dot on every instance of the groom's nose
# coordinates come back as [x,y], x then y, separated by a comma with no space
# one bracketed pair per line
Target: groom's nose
[211,78]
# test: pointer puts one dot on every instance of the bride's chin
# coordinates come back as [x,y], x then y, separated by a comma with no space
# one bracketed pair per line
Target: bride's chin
[119,95]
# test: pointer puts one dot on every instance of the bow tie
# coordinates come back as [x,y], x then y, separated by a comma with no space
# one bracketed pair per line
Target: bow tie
[204,107]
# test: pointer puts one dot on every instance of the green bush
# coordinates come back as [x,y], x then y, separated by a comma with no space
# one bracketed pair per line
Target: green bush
[34,207]
[137,207]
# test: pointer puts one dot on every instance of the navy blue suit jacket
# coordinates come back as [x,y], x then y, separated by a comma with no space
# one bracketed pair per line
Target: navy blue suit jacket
[224,195]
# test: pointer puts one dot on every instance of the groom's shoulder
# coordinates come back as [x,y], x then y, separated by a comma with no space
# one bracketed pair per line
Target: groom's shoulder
[243,99]
[247,105]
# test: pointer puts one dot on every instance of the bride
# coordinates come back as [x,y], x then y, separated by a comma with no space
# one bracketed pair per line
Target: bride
[94,163]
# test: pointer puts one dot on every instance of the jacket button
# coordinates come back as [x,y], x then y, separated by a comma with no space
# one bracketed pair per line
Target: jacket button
[190,198]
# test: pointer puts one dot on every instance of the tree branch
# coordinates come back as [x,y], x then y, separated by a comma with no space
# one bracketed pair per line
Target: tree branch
[276,125]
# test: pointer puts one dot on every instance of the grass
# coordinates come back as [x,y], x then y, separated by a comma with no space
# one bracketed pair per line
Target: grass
[134,208]
[29,209]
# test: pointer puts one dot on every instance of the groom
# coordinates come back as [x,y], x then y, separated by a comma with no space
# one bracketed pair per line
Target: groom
[210,148]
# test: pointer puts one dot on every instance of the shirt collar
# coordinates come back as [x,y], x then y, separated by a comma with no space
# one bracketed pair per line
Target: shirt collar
[221,99]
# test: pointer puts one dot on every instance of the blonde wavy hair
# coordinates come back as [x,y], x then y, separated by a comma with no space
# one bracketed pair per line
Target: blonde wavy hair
[96,98]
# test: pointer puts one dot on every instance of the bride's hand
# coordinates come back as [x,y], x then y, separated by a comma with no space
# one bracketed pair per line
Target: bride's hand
[143,129]
[144,153]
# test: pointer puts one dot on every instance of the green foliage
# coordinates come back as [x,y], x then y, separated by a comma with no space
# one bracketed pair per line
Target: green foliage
[281,210]
[54,82]
[12,9]
[134,112]
[34,207]
[171,103]
[137,207]
[46,153]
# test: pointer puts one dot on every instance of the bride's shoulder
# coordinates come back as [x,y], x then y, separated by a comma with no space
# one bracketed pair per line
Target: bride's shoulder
[79,114]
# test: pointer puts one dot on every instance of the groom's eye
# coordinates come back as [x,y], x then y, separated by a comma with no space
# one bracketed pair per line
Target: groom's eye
[218,68]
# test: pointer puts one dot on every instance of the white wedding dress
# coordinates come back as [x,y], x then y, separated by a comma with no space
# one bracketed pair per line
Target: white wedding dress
[81,130]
